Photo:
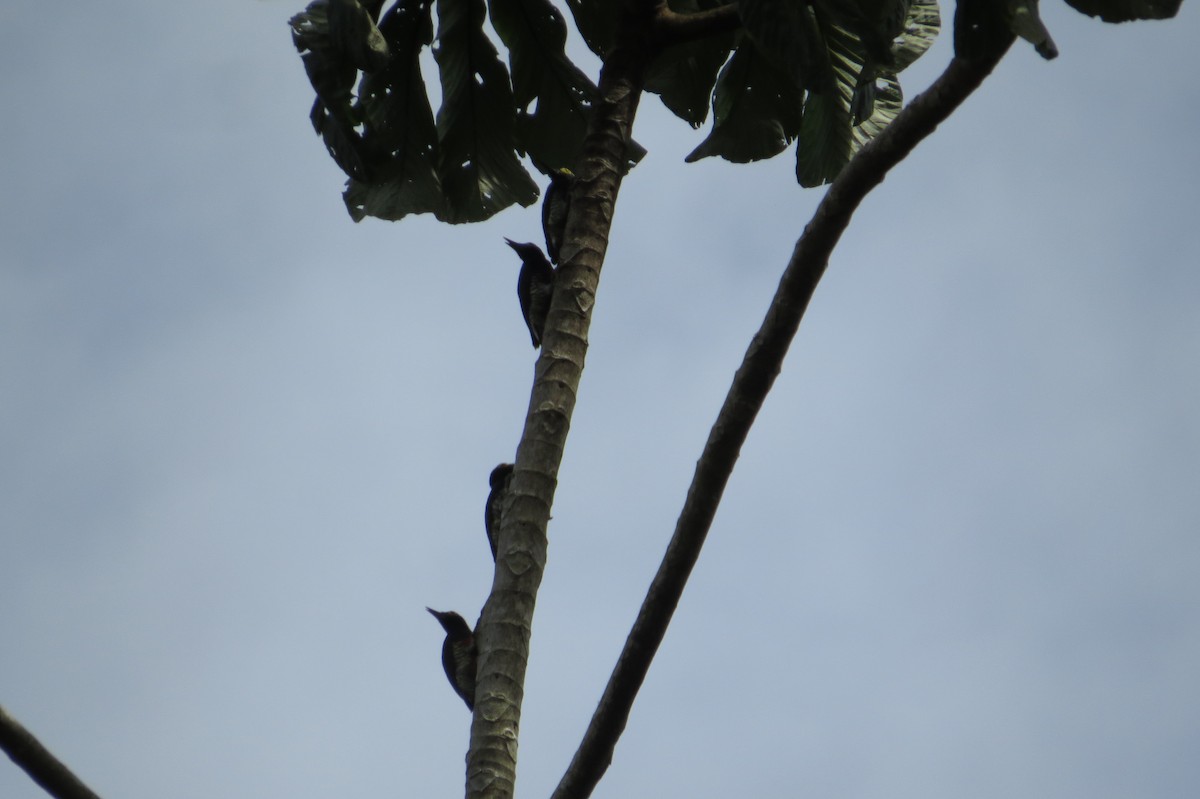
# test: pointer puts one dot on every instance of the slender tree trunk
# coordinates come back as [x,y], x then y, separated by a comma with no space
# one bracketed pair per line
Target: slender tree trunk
[503,633]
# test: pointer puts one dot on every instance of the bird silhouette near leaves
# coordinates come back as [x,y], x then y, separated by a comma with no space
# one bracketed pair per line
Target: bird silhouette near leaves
[535,286]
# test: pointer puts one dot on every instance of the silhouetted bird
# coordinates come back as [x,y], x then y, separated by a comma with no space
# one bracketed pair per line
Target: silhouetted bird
[498,480]
[458,654]
[555,206]
[535,285]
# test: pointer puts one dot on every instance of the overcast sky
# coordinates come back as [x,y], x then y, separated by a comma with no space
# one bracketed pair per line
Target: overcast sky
[244,441]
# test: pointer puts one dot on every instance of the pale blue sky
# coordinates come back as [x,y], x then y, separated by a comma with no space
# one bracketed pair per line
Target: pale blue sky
[244,441]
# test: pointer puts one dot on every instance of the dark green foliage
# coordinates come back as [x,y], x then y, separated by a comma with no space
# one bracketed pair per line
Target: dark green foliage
[863,95]
[756,110]
[596,21]
[832,92]
[683,75]
[924,22]
[786,32]
[477,162]
[824,73]
[1127,10]
[1022,18]
[981,25]
[875,24]
[337,38]
[466,166]
[357,37]
[535,34]
[829,136]
[399,130]
[831,82]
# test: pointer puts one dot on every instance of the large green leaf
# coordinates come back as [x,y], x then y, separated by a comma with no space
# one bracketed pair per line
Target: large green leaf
[535,34]
[920,29]
[355,35]
[756,109]
[850,90]
[477,163]
[918,32]
[335,38]
[875,24]
[683,75]
[828,139]
[596,21]
[786,33]
[1127,10]
[399,137]
[863,94]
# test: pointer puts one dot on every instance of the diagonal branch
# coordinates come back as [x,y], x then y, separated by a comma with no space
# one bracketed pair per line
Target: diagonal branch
[41,766]
[762,362]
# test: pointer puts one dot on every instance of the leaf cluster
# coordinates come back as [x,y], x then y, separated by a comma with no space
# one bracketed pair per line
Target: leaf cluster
[980,26]
[374,114]
[820,74]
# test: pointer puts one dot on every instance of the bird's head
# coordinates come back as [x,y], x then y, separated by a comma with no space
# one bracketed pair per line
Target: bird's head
[454,625]
[527,250]
[500,474]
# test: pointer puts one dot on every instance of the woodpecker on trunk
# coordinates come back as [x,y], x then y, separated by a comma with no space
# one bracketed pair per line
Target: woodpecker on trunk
[498,480]
[535,285]
[458,654]
[555,206]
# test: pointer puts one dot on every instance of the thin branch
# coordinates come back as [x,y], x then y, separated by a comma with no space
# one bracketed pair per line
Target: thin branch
[41,766]
[762,362]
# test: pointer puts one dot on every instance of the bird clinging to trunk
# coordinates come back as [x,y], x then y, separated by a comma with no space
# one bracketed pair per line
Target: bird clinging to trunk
[555,206]
[458,654]
[535,286]
[498,480]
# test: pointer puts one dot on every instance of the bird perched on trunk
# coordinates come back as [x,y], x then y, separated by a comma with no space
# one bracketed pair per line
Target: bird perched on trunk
[458,654]
[498,480]
[555,206]
[535,285]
